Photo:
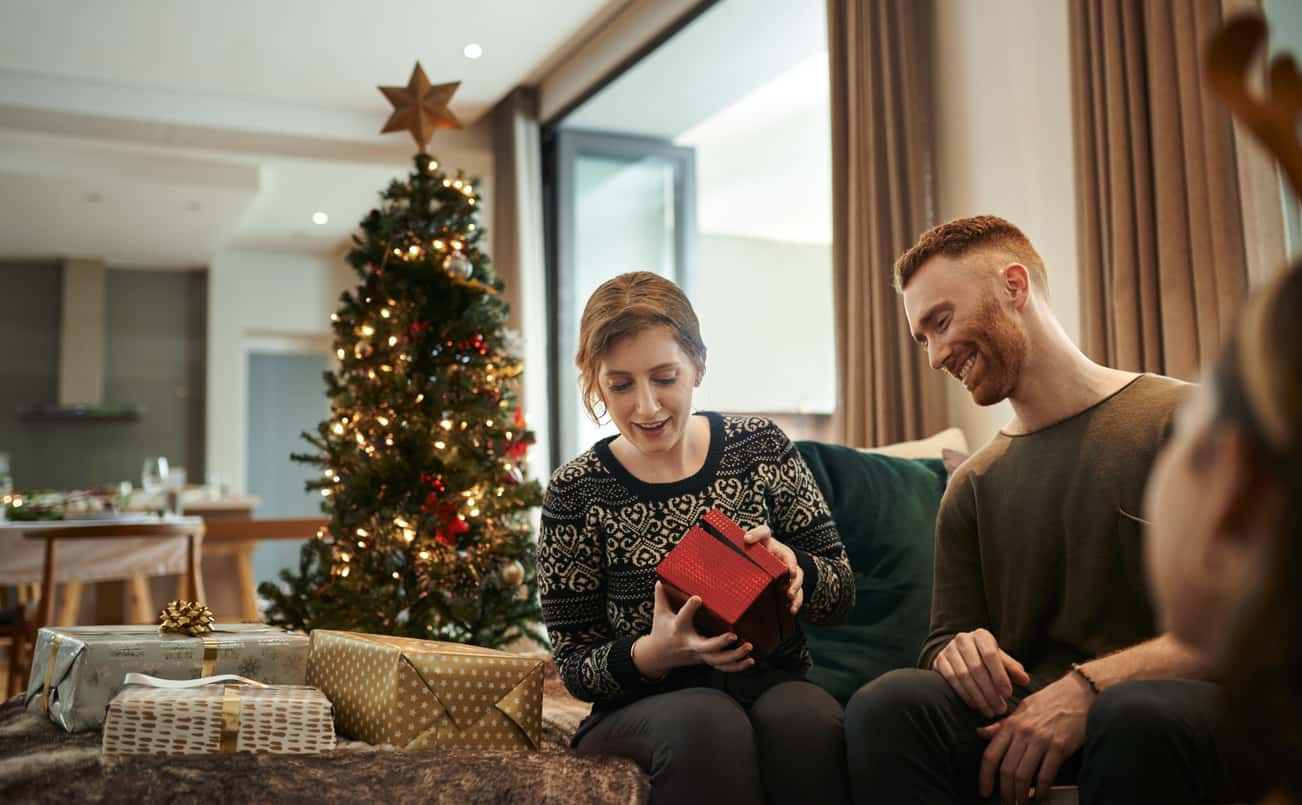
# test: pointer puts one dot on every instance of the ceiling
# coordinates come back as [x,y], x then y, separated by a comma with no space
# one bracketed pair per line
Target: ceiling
[731,50]
[757,116]
[154,133]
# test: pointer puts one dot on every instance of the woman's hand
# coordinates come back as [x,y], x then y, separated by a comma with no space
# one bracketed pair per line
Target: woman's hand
[795,589]
[674,642]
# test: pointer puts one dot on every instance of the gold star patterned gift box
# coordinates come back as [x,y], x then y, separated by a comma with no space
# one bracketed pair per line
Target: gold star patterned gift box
[417,694]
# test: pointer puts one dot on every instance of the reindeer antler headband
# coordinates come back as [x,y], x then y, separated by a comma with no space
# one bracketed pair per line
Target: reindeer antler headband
[1273,118]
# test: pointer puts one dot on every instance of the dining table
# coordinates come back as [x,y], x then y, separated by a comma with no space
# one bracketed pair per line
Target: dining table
[119,567]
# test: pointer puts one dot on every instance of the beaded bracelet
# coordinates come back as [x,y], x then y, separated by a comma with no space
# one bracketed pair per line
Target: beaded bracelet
[1089,680]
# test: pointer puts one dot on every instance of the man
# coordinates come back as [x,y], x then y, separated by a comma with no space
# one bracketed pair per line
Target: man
[1043,656]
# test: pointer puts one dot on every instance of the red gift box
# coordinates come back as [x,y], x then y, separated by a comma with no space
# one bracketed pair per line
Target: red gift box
[742,587]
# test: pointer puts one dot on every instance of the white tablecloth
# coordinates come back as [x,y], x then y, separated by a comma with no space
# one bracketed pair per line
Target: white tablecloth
[87,560]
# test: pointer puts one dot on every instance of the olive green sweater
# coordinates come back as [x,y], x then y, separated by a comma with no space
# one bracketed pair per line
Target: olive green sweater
[1032,542]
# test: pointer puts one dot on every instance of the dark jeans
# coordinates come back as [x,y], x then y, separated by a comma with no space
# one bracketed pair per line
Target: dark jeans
[911,739]
[700,745]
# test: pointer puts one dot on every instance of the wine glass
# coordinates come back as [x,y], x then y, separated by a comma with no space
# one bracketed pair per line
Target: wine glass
[153,476]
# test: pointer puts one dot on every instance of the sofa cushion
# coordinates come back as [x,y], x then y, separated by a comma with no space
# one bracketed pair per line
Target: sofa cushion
[885,508]
[933,446]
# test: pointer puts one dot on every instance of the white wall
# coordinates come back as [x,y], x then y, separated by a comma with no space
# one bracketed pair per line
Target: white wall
[766,316]
[255,298]
[277,300]
[1004,145]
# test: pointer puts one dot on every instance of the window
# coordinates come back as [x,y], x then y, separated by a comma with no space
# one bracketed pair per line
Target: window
[708,162]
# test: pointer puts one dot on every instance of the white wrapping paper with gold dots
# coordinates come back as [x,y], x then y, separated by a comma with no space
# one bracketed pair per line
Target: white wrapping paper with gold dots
[421,693]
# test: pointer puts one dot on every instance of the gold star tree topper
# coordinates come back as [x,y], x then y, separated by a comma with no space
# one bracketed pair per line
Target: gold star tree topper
[420,107]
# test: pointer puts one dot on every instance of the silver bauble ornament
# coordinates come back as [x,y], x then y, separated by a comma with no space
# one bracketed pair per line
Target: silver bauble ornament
[512,573]
[458,266]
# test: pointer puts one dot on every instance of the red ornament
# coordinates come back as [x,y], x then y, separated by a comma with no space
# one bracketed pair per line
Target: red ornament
[446,534]
[474,344]
[517,449]
[433,481]
[519,417]
[418,327]
[431,503]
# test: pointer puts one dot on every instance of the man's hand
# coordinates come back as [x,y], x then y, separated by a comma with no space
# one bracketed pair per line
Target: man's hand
[795,576]
[980,672]
[1045,729]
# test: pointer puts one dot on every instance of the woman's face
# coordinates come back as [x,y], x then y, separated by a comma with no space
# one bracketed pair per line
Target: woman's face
[646,382]
[1202,557]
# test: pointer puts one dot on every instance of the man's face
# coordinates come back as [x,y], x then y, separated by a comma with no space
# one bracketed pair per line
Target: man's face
[954,311]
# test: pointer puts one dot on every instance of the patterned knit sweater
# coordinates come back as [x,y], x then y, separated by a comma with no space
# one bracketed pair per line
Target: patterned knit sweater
[604,532]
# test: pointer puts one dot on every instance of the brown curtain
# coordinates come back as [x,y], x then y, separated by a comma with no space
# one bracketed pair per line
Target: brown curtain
[882,199]
[1160,229]
[517,232]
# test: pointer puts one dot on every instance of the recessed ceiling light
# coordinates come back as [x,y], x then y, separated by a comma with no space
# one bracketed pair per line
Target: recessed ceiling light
[319,218]
[473,51]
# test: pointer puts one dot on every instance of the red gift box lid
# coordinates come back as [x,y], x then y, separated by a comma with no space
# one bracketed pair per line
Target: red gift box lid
[724,526]
[727,582]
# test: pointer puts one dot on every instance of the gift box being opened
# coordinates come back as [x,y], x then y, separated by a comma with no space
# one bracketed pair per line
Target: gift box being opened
[77,670]
[742,587]
[216,717]
[420,693]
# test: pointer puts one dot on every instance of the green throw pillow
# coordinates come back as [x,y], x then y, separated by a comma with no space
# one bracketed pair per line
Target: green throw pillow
[885,509]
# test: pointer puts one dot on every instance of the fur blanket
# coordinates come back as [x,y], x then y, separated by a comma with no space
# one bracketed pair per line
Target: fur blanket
[41,763]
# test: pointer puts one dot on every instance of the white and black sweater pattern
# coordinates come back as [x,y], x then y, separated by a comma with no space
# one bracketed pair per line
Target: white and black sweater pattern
[604,532]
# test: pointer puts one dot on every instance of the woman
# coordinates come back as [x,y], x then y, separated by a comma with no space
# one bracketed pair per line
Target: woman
[1225,546]
[706,720]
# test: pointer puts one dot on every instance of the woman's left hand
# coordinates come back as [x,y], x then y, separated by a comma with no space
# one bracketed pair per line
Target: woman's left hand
[795,589]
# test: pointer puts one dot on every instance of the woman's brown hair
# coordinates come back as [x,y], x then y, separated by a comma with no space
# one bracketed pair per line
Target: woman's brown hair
[1258,383]
[625,306]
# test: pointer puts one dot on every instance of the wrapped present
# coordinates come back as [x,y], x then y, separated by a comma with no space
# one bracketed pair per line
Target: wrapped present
[223,713]
[742,587]
[420,693]
[77,670]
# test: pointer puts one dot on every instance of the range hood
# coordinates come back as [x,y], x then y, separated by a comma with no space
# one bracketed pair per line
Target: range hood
[82,341]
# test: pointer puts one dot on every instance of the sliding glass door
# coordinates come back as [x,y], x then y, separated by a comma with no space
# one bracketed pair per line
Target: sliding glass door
[617,203]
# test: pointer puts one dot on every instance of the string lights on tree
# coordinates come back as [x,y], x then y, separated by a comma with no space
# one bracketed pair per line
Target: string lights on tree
[420,459]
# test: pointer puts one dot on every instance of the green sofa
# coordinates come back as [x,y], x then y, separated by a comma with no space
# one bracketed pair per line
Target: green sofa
[885,509]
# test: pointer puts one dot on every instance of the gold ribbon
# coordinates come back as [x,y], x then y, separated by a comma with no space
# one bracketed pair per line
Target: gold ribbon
[209,664]
[230,718]
[49,672]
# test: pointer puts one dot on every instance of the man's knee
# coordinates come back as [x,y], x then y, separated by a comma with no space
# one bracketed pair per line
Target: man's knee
[891,702]
[1131,716]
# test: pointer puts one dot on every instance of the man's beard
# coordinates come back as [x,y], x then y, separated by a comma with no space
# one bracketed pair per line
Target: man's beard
[1003,349]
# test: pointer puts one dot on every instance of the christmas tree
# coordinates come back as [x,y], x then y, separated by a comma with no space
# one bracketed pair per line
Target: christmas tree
[421,459]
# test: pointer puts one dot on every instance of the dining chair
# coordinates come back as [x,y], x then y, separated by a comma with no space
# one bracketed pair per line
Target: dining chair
[191,580]
[16,625]
[238,537]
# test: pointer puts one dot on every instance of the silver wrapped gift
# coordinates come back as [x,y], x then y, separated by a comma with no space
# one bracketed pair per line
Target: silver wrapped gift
[77,670]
